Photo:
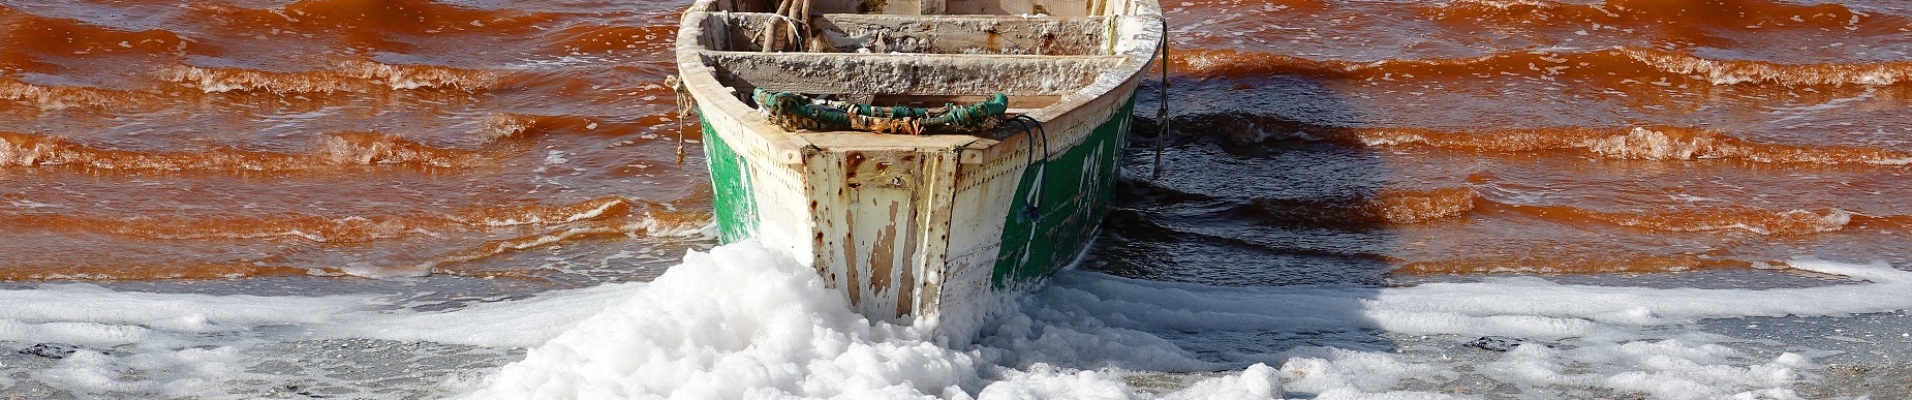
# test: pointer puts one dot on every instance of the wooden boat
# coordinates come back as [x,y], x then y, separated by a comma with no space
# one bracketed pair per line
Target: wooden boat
[918,228]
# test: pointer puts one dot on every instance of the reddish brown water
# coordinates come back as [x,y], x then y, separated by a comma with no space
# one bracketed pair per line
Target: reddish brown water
[1313,141]
[163,140]
[1358,141]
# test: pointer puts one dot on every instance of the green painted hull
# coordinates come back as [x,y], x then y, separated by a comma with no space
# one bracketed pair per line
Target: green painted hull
[1057,206]
[1044,233]
[735,209]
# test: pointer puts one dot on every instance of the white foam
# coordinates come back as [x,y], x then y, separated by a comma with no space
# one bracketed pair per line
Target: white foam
[520,323]
[1079,335]
[739,322]
[1258,381]
[195,345]
[69,307]
[747,322]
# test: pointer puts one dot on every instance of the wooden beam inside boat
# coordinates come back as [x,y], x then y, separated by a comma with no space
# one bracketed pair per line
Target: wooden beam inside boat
[1059,8]
[912,74]
[940,34]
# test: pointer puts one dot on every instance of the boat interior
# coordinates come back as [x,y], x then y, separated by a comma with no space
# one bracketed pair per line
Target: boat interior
[919,53]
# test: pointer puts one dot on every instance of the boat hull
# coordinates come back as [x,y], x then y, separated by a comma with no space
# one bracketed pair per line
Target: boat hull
[924,230]
[920,235]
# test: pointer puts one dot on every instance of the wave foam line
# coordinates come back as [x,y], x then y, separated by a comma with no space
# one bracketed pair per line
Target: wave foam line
[1546,260]
[1732,72]
[332,152]
[388,17]
[1616,68]
[356,76]
[329,229]
[1387,206]
[1624,143]
[155,272]
[1665,17]
[1636,143]
[1407,207]
[653,223]
[1759,221]
[64,97]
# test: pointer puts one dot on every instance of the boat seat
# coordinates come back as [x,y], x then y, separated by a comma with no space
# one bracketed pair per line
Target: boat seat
[907,74]
[937,34]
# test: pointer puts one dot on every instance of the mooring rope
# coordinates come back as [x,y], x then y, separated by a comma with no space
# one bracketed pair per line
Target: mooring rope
[686,107]
[793,112]
[1161,112]
[1033,210]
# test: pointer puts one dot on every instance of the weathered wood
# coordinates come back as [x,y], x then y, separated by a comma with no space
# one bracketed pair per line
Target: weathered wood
[921,75]
[923,229]
[936,34]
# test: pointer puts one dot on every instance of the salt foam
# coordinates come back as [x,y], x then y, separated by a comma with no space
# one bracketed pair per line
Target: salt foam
[743,321]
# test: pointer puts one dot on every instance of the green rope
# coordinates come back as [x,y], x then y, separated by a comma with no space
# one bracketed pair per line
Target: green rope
[793,111]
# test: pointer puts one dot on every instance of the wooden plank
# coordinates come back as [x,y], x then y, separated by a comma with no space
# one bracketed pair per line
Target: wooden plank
[912,74]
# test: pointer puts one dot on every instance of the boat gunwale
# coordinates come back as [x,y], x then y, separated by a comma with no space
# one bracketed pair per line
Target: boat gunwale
[938,17]
[1133,49]
[932,56]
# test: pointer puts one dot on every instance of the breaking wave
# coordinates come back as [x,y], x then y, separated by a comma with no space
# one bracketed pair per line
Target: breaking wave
[150,272]
[332,152]
[1616,67]
[1638,15]
[63,97]
[1406,207]
[1548,261]
[1383,207]
[1621,143]
[330,229]
[349,77]
[1759,221]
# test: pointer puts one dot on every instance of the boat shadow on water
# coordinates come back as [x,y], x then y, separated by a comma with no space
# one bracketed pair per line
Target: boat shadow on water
[1259,240]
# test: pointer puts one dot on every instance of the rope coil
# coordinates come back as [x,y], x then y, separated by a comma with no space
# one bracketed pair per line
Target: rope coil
[793,112]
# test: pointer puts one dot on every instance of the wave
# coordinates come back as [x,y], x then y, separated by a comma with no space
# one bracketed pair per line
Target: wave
[1551,261]
[48,98]
[1795,222]
[355,76]
[1633,15]
[598,39]
[1615,67]
[334,151]
[1384,207]
[415,16]
[1621,143]
[598,218]
[331,229]
[1429,208]
[655,223]
[29,34]
[349,77]
[1730,72]
[1636,143]
[152,272]
[1397,207]
[373,22]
